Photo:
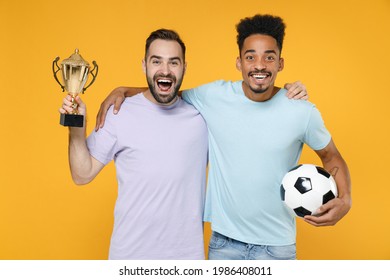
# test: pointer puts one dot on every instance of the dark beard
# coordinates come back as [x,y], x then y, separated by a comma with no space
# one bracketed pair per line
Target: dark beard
[164,99]
[259,91]
[262,90]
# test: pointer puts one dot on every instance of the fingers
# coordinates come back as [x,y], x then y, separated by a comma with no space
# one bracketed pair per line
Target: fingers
[101,116]
[72,105]
[326,215]
[118,103]
[67,105]
[320,221]
[296,90]
[315,222]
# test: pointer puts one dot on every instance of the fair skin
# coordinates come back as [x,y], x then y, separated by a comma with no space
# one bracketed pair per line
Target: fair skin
[164,68]
[83,166]
[259,63]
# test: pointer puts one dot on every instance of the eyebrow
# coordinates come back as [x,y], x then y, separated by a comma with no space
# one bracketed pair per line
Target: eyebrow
[253,51]
[160,57]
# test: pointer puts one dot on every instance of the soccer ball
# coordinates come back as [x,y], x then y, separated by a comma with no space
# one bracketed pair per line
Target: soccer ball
[306,187]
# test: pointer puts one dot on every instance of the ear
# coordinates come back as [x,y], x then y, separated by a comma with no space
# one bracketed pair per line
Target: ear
[185,68]
[238,64]
[144,65]
[281,64]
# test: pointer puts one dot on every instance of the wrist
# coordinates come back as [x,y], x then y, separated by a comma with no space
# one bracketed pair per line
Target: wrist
[346,198]
[76,133]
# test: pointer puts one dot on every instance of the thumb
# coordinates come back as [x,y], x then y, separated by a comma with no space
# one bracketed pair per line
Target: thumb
[81,107]
[324,208]
[79,101]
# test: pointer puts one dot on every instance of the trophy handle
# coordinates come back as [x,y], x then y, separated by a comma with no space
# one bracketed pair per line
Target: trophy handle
[94,75]
[55,72]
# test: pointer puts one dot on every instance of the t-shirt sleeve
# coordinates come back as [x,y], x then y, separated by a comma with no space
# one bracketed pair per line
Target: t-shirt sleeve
[102,144]
[317,136]
[200,96]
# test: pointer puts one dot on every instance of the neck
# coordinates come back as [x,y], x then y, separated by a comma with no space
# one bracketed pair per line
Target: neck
[148,95]
[260,97]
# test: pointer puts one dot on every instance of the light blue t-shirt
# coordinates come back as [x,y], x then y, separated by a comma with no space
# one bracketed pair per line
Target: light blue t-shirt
[160,155]
[251,147]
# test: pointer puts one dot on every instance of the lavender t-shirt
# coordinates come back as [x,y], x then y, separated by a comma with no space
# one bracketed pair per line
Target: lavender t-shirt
[160,154]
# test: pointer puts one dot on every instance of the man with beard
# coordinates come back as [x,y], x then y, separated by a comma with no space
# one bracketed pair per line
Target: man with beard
[159,145]
[256,135]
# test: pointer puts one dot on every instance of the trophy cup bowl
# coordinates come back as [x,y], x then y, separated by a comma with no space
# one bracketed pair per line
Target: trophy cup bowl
[75,72]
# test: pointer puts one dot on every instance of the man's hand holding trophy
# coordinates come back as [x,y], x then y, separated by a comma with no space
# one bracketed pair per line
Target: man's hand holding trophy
[75,72]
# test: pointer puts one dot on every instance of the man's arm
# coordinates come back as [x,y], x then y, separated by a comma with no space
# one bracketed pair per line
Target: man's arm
[296,90]
[83,166]
[333,211]
[116,98]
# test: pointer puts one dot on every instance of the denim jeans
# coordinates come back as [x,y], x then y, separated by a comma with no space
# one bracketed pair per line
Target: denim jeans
[225,248]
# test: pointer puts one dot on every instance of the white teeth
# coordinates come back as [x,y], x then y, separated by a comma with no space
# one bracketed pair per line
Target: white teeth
[259,76]
[164,81]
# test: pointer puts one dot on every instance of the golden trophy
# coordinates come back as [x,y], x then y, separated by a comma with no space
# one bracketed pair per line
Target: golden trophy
[75,72]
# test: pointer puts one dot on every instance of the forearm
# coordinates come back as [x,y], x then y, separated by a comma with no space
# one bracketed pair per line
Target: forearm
[334,163]
[80,161]
[338,168]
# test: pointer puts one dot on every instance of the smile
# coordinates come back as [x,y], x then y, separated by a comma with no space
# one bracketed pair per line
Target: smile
[260,76]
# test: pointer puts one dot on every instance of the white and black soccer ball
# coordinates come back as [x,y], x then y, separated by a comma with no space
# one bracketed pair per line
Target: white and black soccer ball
[306,187]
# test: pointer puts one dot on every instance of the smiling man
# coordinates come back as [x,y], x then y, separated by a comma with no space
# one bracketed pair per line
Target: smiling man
[159,145]
[259,69]
[164,72]
[256,135]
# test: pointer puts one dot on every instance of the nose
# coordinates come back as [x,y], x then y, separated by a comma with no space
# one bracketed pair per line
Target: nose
[164,68]
[260,64]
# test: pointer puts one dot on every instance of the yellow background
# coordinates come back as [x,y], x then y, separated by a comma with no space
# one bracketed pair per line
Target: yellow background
[339,49]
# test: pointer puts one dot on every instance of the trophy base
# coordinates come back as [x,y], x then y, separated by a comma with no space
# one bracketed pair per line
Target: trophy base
[72,120]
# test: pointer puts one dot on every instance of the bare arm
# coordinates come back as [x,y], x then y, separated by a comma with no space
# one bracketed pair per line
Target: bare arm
[333,211]
[83,166]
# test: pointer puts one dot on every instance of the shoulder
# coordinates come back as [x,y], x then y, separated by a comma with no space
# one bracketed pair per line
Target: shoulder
[185,109]
[296,104]
[130,102]
[216,87]
[129,106]
[302,110]
[221,84]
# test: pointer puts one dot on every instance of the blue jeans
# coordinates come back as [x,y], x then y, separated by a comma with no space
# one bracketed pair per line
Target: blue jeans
[225,248]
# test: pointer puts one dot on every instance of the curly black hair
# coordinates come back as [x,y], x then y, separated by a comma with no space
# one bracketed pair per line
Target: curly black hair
[261,24]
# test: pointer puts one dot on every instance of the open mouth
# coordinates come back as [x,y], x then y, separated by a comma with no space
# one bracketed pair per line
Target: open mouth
[164,84]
